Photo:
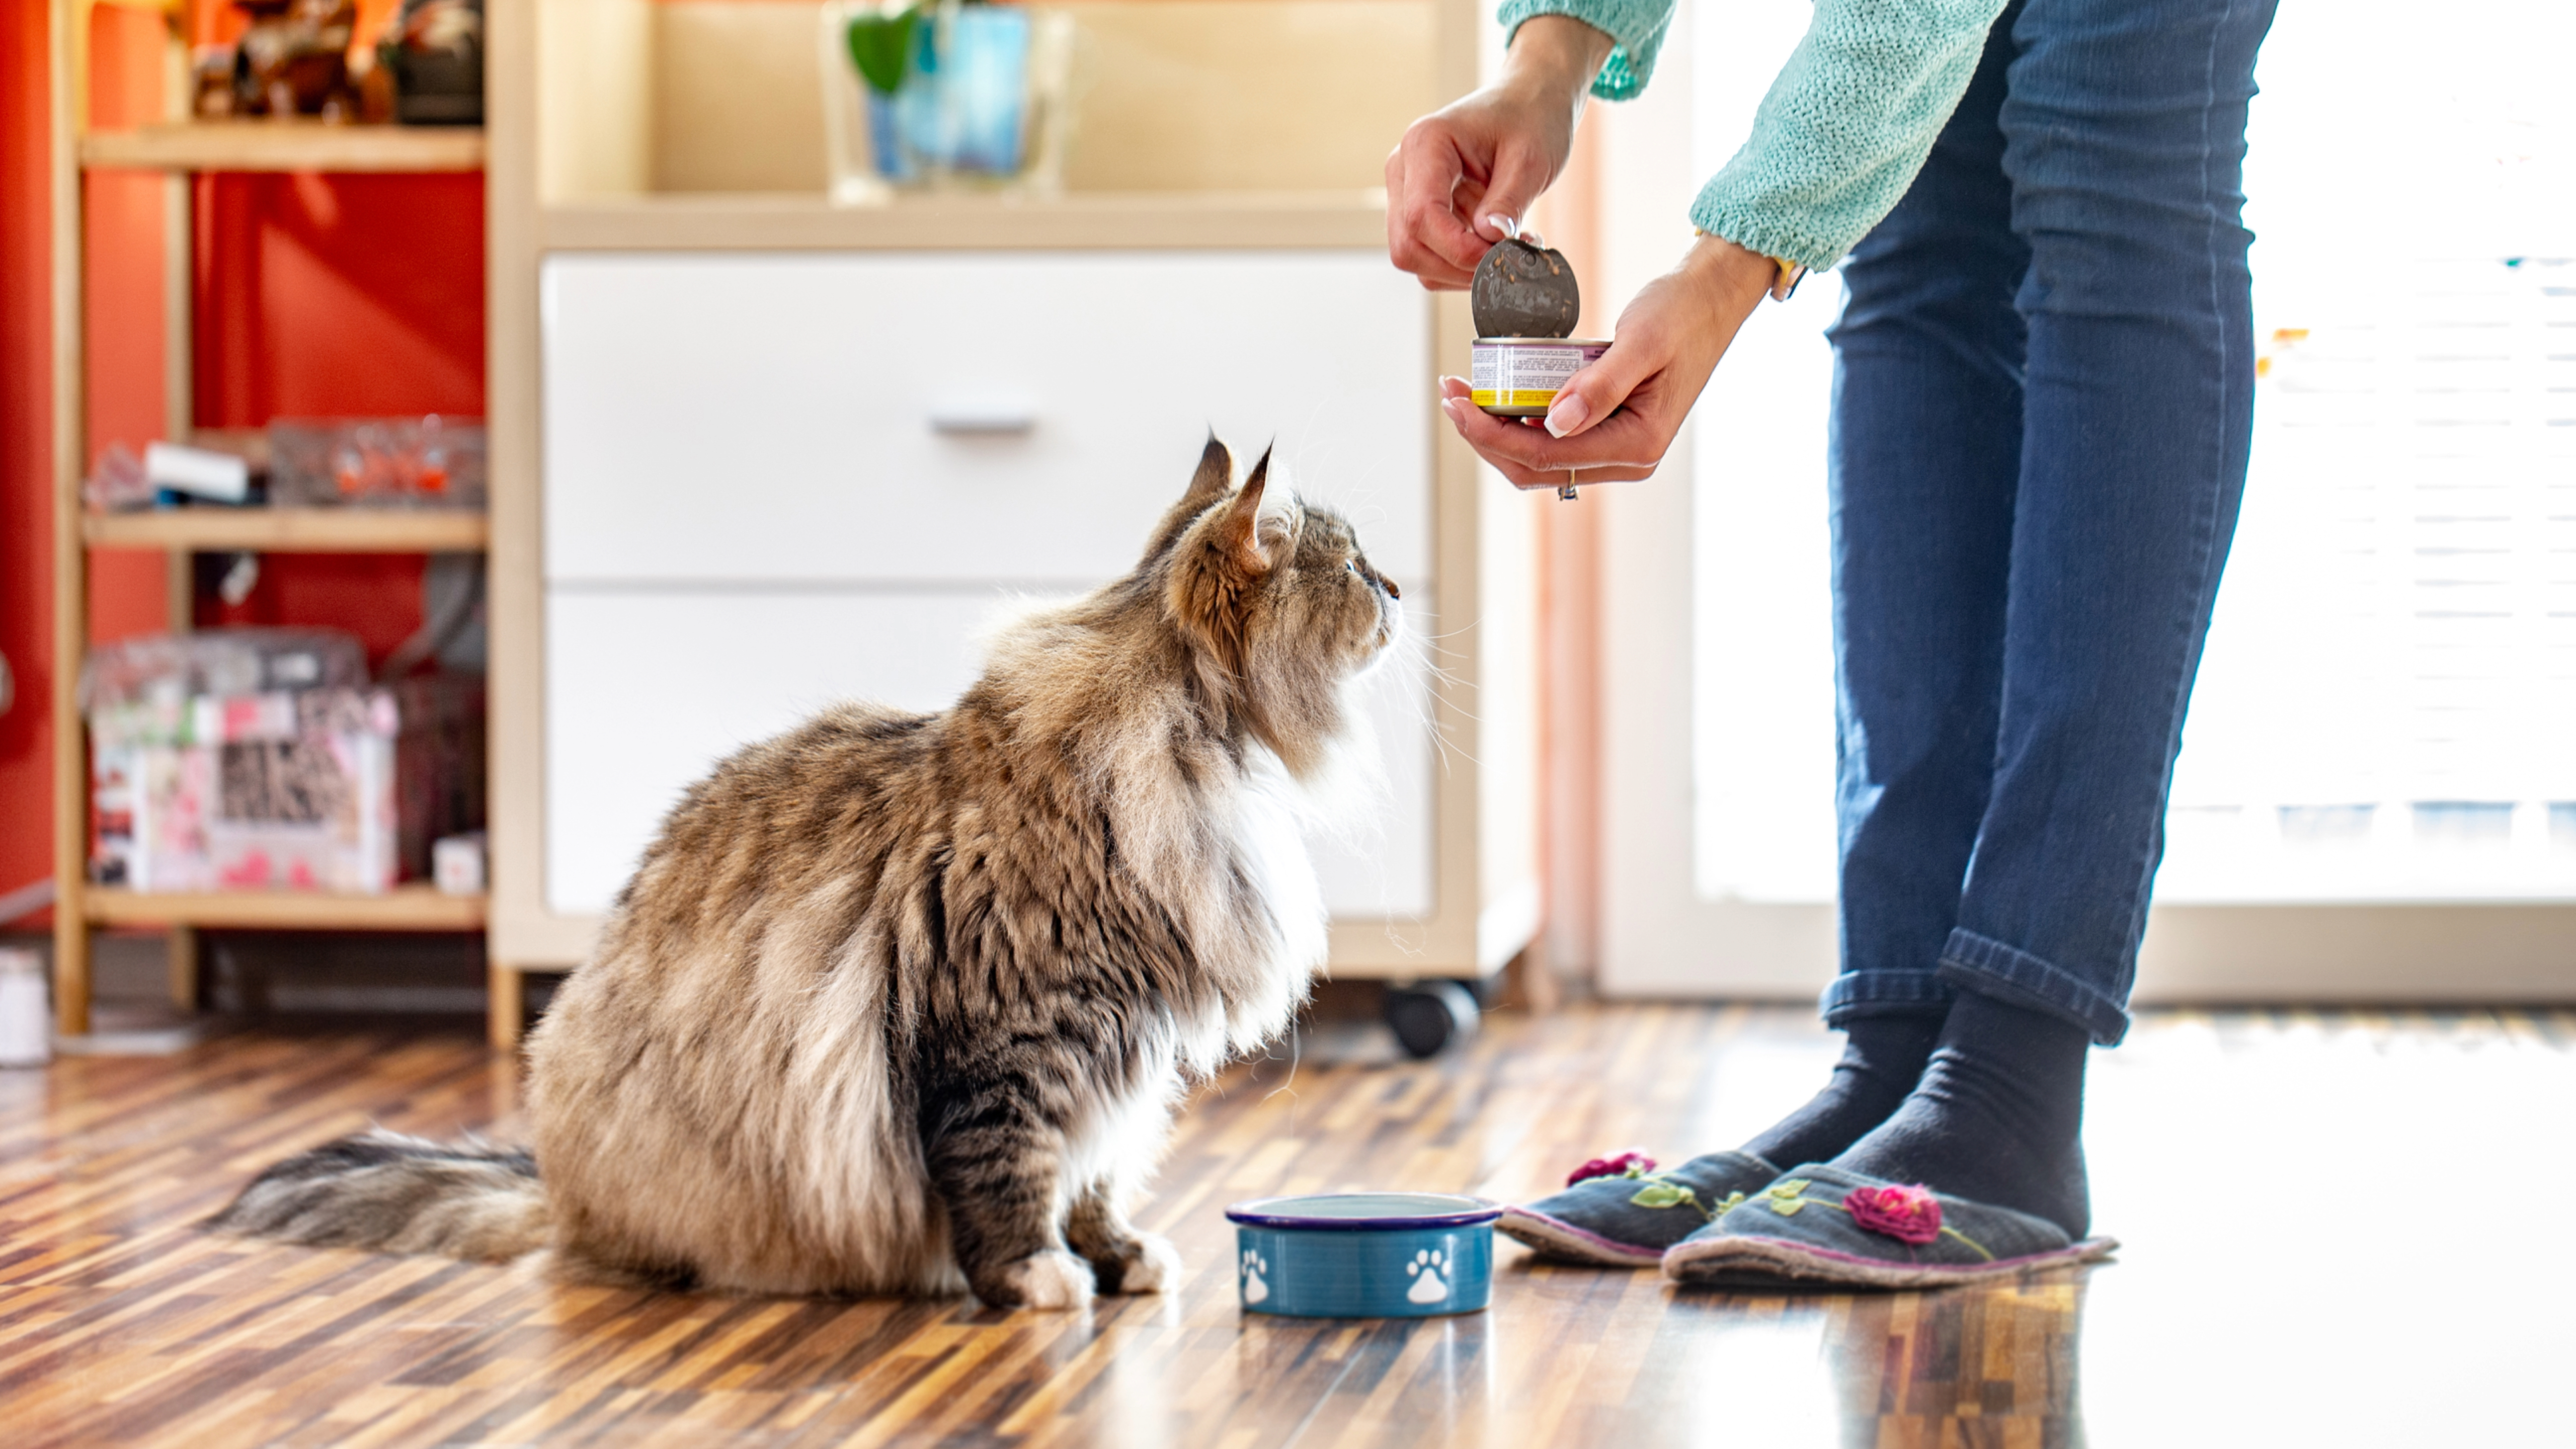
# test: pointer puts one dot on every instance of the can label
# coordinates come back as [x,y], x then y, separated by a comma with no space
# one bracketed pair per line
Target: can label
[1516,374]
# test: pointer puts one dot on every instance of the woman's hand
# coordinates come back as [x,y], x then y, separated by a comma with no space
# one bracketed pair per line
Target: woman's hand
[1612,422]
[1489,155]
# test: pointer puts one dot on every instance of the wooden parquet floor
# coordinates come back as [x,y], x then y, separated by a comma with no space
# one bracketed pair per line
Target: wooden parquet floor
[2279,1180]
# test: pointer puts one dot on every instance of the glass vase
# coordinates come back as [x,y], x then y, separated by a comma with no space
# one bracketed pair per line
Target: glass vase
[979,97]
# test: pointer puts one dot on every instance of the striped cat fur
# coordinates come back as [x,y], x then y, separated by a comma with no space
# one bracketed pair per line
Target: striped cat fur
[900,1003]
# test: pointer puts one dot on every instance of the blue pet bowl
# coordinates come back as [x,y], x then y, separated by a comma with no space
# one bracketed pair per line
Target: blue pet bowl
[1365,1254]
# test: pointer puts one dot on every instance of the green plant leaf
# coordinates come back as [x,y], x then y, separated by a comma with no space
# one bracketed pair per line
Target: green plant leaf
[879,45]
[1663,1195]
[1951,1232]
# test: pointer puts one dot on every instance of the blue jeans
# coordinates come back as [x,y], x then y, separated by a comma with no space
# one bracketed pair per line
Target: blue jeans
[2043,382]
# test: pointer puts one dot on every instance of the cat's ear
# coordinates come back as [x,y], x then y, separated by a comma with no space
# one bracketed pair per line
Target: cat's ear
[1222,565]
[1239,527]
[1214,477]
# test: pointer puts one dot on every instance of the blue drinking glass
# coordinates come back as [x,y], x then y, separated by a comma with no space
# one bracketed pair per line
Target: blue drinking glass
[962,109]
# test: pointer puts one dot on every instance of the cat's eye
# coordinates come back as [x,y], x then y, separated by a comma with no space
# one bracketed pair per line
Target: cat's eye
[1352,564]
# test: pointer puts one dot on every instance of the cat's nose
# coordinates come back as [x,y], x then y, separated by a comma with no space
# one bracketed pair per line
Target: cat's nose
[1388,584]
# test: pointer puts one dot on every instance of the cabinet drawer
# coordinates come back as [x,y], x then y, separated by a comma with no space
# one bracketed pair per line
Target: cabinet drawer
[647,689]
[953,417]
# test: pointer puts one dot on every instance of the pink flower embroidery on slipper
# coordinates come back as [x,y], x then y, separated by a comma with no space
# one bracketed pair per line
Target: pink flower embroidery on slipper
[1907,1214]
[1627,1164]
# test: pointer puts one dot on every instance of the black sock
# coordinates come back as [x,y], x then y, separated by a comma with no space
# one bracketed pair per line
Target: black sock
[1996,1116]
[1882,1057]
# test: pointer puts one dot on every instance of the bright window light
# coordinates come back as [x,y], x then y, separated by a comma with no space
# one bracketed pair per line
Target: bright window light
[2387,710]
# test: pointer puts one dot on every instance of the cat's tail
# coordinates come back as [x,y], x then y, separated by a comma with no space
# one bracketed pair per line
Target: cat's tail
[398,1194]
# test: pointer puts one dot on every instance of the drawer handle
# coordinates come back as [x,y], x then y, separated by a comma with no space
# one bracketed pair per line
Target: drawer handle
[983,418]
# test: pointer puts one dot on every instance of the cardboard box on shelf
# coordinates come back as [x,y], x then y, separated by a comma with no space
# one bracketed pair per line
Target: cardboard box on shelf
[336,787]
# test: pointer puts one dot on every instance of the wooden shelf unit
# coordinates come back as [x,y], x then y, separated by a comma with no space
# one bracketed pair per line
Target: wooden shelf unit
[415,906]
[179,148]
[622,125]
[284,146]
[292,530]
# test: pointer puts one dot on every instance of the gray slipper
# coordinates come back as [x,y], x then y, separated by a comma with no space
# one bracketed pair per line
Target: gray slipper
[1627,1220]
[1821,1225]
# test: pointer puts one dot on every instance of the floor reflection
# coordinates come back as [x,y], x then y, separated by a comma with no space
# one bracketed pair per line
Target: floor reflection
[1394,1381]
[1994,1365]
[1907,1367]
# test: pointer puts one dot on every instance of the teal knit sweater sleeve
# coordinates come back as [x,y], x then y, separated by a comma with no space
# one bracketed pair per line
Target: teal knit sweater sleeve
[1841,133]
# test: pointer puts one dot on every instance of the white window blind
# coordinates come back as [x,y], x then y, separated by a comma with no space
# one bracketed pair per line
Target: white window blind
[2387,710]
[2388,706]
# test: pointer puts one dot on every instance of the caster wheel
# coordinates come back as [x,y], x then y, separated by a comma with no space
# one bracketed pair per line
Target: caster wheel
[1428,1017]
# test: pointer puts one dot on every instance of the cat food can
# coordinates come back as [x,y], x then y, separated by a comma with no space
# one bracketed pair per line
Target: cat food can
[1517,377]
[1365,1254]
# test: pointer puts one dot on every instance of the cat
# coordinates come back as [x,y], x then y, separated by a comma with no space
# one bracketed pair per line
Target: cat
[902,1003]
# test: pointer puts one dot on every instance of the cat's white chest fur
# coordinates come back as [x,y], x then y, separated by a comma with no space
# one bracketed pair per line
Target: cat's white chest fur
[1270,848]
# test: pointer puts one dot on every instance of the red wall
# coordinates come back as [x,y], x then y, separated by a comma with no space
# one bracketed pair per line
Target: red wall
[313,296]
[321,296]
[121,301]
[26,459]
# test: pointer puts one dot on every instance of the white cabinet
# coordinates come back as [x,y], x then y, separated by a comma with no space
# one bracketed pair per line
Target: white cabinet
[646,688]
[772,482]
[944,416]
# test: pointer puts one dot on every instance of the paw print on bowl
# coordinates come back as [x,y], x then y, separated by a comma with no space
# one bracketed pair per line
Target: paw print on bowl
[1424,1270]
[1256,1287]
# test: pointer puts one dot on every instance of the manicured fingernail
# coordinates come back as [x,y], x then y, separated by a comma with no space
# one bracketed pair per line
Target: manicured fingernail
[1503,224]
[1567,413]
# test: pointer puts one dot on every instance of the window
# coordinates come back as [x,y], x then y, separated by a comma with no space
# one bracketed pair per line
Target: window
[2387,710]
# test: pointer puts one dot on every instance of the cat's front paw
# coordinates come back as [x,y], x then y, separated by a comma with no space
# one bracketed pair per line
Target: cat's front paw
[1154,1267]
[1041,1280]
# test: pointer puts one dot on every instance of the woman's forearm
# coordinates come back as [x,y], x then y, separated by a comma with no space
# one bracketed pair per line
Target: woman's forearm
[1635,28]
[1553,58]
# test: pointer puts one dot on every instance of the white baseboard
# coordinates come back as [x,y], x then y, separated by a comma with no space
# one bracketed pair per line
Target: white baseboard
[2194,954]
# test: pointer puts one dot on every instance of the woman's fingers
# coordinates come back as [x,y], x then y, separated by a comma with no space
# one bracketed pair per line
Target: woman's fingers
[1486,156]
[1500,442]
[1596,392]
[1521,173]
[1424,177]
[1631,444]
[1490,153]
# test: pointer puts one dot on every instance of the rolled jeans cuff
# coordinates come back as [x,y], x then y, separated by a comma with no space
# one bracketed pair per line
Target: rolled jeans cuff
[1988,967]
[1857,994]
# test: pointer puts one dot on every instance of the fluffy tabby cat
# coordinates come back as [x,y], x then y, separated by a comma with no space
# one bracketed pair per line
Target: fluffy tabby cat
[900,1003]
